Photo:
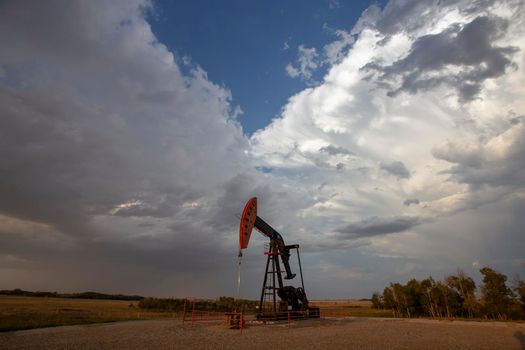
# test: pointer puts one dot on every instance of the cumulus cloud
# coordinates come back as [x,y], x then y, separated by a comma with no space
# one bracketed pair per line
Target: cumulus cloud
[454,136]
[336,50]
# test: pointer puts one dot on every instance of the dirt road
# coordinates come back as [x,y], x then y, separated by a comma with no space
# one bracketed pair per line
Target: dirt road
[349,333]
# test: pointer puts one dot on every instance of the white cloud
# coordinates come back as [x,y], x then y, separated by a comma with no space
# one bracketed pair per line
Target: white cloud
[334,4]
[335,51]
[292,71]
[307,63]
[453,153]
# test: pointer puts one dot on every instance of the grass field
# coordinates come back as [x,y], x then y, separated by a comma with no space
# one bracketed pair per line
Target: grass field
[29,312]
[18,312]
[345,308]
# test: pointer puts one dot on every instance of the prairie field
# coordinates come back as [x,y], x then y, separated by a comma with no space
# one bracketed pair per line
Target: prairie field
[20,312]
[347,324]
[349,308]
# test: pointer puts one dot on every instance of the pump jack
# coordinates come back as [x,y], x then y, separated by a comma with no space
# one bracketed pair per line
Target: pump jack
[293,301]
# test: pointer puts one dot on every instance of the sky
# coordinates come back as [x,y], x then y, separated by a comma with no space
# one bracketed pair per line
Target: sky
[386,138]
[234,40]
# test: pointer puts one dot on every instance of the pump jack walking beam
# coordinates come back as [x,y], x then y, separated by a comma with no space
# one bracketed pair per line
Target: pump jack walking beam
[250,220]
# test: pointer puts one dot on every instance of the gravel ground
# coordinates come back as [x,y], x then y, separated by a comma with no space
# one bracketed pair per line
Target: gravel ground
[348,333]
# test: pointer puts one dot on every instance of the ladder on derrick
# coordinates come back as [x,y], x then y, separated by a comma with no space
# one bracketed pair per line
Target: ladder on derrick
[272,281]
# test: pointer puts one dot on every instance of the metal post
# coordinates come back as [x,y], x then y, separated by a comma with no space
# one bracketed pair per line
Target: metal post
[184,312]
[239,260]
[275,265]
[264,282]
[193,314]
[300,267]
[242,321]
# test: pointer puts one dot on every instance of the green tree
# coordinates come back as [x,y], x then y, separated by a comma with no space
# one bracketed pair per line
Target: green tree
[519,288]
[377,302]
[496,296]
[446,298]
[389,301]
[401,299]
[427,300]
[415,292]
[466,289]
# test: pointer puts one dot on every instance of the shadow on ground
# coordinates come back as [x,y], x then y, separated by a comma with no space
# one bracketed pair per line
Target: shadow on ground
[521,338]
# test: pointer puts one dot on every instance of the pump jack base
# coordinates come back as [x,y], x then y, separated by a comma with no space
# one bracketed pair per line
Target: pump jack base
[312,312]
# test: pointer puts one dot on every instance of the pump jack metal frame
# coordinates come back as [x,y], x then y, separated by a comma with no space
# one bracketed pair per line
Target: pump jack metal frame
[293,302]
[269,288]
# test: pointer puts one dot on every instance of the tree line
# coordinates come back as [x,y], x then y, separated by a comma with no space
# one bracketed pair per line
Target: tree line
[222,304]
[82,295]
[457,296]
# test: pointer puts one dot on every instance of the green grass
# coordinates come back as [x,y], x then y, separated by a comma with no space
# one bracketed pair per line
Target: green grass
[18,313]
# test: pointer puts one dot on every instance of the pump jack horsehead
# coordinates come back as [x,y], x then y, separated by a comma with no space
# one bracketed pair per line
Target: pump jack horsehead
[293,302]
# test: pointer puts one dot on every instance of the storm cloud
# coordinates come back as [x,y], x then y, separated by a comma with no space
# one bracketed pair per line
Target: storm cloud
[105,142]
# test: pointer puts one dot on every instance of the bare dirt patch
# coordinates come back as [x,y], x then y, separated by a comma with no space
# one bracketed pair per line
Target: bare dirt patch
[347,333]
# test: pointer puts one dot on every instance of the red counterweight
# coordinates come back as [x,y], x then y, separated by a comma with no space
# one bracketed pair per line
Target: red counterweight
[249,214]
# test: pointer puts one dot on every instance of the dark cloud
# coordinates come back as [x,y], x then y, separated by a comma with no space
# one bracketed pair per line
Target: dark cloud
[72,151]
[410,201]
[376,226]
[396,168]
[114,264]
[335,150]
[469,50]
[106,145]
